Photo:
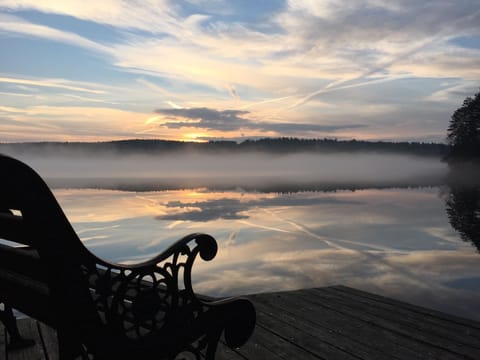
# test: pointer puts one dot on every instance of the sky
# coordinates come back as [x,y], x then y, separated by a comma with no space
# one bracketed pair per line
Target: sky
[199,70]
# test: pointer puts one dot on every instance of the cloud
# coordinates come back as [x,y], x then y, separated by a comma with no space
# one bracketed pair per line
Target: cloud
[336,46]
[15,94]
[232,91]
[54,83]
[453,92]
[151,16]
[234,209]
[204,118]
[287,128]
[382,58]
[62,123]
[207,211]
[298,53]
[229,120]
[304,40]
[14,24]
[335,87]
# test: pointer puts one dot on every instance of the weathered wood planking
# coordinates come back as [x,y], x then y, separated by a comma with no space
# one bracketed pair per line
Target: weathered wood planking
[49,341]
[29,330]
[470,324]
[325,337]
[408,336]
[342,330]
[368,326]
[439,331]
[326,323]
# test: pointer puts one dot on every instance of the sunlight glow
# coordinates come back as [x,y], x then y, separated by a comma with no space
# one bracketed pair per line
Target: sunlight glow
[196,137]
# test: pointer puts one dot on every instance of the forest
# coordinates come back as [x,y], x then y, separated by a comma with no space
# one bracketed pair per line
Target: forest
[268,145]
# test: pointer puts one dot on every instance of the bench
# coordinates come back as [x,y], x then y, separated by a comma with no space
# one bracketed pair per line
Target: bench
[100,309]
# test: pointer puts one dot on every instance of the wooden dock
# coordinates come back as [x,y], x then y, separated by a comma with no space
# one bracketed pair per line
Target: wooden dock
[325,323]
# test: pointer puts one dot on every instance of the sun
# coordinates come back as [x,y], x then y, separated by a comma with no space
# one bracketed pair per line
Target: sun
[195,137]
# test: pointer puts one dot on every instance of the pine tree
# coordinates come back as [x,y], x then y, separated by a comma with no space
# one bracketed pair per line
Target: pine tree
[464,131]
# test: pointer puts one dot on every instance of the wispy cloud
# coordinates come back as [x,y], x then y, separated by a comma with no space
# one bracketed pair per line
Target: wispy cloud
[256,103]
[151,16]
[69,122]
[453,90]
[53,83]
[16,25]
[15,94]
[233,92]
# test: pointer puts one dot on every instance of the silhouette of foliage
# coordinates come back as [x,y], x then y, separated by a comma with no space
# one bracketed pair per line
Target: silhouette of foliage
[464,131]
[463,210]
[268,145]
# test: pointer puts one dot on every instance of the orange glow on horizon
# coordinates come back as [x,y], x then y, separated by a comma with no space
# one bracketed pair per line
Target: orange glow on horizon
[195,137]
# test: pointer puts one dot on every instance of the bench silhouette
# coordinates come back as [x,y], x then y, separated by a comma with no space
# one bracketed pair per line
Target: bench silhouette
[101,309]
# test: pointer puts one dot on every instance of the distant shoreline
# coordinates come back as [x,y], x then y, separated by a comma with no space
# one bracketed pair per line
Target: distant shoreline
[268,185]
[277,146]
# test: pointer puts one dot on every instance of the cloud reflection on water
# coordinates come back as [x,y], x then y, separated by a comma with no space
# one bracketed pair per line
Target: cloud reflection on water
[396,242]
[227,208]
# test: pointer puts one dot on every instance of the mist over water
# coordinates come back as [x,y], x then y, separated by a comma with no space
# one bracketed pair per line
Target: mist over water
[238,169]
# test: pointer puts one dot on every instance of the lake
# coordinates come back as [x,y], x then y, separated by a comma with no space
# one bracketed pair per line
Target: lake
[392,241]
[383,224]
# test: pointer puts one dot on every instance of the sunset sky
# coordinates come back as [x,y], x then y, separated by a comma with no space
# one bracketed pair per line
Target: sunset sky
[201,70]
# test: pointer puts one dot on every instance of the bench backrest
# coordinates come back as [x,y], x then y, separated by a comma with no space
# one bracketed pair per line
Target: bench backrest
[30,214]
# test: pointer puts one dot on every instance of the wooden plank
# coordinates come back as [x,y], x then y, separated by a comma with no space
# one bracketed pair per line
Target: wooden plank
[408,324]
[344,331]
[28,329]
[225,353]
[254,348]
[49,341]
[301,304]
[440,315]
[412,339]
[336,344]
[265,345]
[313,339]
[3,351]
[428,324]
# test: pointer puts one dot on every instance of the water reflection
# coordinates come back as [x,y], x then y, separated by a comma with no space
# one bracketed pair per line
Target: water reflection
[463,209]
[395,241]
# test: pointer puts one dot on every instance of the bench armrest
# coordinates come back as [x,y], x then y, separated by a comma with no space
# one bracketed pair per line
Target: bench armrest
[172,268]
[153,302]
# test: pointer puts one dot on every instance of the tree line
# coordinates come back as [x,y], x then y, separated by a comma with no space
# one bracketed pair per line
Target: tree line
[269,145]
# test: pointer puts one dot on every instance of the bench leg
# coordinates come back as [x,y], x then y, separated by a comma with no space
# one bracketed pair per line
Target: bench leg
[10,322]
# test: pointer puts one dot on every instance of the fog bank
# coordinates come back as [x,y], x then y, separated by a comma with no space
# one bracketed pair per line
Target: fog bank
[259,168]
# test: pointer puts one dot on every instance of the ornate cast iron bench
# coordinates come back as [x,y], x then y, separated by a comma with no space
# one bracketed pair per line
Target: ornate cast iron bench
[103,310]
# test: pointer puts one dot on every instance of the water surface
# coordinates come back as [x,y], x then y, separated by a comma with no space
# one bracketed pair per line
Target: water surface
[397,242]
[380,223]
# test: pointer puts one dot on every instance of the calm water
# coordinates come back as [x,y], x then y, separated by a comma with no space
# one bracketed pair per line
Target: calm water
[392,241]
[284,222]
